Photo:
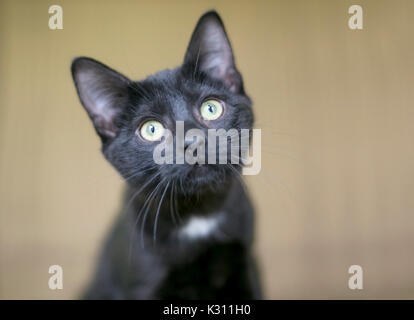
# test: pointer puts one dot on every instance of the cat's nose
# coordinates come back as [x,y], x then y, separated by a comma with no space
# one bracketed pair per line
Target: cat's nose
[187,144]
[193,138]
[194,143]
[194,151]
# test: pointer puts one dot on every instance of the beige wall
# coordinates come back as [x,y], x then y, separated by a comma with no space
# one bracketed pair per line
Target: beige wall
[335,107]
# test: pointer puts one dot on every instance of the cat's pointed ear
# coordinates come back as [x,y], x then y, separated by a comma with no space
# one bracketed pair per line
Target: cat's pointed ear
[103,92]
[210,51]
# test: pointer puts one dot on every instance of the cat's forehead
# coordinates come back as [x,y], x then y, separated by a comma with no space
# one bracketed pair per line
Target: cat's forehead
[167,92]
[164,74]
[163,80]
[170,85]
[162,85]
[178,83]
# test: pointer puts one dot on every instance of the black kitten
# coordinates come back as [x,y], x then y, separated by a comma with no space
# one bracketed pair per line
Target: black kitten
[185,230]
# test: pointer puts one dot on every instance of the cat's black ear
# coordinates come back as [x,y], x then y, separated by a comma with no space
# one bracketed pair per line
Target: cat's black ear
[210,51]
[103,92]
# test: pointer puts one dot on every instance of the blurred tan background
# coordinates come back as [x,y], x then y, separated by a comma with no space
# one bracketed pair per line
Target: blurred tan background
[335,107]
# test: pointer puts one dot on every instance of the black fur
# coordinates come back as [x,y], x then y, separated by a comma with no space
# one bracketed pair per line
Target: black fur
[145,256]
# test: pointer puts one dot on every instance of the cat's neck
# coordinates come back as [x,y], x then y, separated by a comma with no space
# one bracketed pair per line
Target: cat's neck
[173,214]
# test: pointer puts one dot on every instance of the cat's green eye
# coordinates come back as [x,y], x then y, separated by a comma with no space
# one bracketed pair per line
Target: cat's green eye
[152,130]
[211,109]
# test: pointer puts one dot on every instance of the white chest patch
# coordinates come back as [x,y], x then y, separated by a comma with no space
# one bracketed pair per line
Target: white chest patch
[199,227]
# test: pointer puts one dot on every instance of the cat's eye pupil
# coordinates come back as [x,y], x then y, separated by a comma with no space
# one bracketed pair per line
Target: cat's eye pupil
[151,130]
[211,109]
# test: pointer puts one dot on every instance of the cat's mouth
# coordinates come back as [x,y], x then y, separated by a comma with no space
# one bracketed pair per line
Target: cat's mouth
[198,173]
[205,175]
[197,169]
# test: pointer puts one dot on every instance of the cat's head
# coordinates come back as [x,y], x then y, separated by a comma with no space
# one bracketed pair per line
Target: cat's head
[205,92]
